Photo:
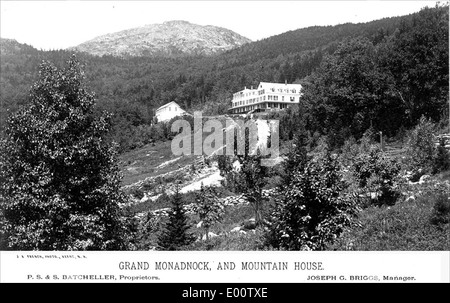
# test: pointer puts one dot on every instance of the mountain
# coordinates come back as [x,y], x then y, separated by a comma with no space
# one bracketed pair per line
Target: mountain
[132,86]
[172,38]
[11,47]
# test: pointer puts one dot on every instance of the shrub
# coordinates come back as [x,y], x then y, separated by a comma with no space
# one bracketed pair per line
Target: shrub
[441,160]
[420,147]
[312,210]
[377,175]
[148,231]
[252,179]
[404,226]
[208,208]
[441,209]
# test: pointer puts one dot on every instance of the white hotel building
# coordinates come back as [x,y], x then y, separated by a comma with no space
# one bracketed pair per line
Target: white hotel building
[266,97]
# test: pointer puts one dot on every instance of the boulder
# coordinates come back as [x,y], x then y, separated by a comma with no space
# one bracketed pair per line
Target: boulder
[424,178]
[236,229]
[410,199]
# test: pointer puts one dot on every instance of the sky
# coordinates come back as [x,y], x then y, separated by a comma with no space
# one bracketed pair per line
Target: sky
[61,24]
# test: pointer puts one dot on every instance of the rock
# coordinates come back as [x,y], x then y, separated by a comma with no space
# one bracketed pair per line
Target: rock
[250,224]
[210,235]
[199,224]
[408,175]
[424,178]
[236,229]
[237,165]
[410,198]
[242,232]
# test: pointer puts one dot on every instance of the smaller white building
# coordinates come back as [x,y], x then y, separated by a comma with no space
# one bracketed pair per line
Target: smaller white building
[168,111]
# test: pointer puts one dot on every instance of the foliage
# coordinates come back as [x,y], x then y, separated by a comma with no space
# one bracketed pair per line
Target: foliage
[230,242]
[252,179]
[417,58]
[405,226]
[59,183]
[225,164]
[441,159]
[176,232]
[377,175]
[441,209]
[148,231]
[386,85]
[312,210]
[296,159]
[208,208]
[420,147]
[349,93]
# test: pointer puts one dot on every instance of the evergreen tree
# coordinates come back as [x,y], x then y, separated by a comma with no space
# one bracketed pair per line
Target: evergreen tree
[176,232]
[59,182]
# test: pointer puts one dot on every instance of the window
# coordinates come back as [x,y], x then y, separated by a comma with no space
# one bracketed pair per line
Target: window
[275,98]
[282,98]
[175,108]
[169,109]
[292,99]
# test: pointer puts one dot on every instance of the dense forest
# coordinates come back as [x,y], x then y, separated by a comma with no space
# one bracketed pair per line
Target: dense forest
[384,74]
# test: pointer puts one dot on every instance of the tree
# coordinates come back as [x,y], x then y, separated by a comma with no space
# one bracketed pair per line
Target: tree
[417,58]
[441,161]
[296,157]
[175,234]
[312,210]
[208,207]
[420,146]
[59,182]
[252,179]
[348,93]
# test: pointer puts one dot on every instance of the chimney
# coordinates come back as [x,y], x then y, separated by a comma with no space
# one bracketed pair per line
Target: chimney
[285,81]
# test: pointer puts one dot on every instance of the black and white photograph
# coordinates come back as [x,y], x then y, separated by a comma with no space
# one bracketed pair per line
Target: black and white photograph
[287,136]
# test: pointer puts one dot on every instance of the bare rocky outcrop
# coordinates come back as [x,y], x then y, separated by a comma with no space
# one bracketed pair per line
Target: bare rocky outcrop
[169,39]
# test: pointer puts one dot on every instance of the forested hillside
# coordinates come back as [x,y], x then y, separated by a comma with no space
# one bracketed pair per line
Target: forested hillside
[404,74]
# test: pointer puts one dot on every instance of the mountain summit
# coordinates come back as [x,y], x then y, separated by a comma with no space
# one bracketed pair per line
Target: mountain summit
[171,38]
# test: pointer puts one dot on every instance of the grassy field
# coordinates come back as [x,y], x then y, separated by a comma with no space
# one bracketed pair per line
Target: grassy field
[408,225]
[148,161]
